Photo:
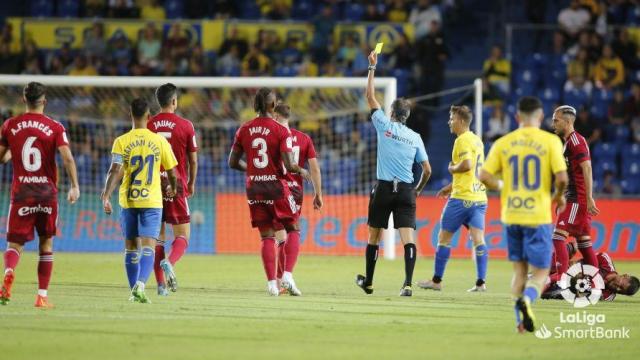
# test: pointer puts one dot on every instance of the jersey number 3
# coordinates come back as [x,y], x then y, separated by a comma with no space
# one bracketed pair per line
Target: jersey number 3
[262,160]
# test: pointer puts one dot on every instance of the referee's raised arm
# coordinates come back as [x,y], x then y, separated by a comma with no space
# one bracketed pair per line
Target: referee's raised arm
[371,91]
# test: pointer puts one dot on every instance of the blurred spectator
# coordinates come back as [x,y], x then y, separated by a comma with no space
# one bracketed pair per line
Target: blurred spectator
[224,9]
[609,184]
[490,94]
[198,66]
[422,16]
[82,68]
[398,11]
[616,10]
[626,49]
[121,9]
[583,42]
[31,54]
[94,43]
[360,65]
[9,63]
[499,124]
[234,40]
[595,47]
[6,35]
[579,73]
[32,67]
[348,51]
[635,130]
[431,54]
[308,67]
[573,19]
[65,54]
[56,67]
[94,8]
[371,13]
[291,53]
[323,25]
[176,45]
[153,11]
[149,47]
[255,63]
[617,109]
[268,42]
[586,126]
[120,53]
[229,64]
[275,9]
[497,69]
[558,45]
[402,56]
[632,107]
[609,71]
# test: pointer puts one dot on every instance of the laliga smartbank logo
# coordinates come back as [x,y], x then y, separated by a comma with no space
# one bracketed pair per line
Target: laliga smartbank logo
[581,285]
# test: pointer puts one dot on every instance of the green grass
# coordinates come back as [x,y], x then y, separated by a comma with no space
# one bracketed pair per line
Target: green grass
[222,312]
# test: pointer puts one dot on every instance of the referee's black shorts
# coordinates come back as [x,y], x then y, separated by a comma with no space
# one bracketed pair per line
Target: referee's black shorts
[402,203]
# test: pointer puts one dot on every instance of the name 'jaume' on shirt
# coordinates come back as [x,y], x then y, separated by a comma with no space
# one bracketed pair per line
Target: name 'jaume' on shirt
[32,124]
[164,123]
[139,143]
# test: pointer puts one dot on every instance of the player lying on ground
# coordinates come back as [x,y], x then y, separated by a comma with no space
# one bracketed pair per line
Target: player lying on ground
[289,244]
[575,220]
[175,210]
[267,145]
[467,204]
[614,283]
[33,139]
[398,149]
[136,160]
[527,159]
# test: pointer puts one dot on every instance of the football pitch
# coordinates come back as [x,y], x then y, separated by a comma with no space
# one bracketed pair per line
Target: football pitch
[222,311]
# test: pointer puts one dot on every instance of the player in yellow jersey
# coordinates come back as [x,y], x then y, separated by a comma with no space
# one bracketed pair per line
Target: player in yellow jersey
[527,159]
[136,160]
[467,204]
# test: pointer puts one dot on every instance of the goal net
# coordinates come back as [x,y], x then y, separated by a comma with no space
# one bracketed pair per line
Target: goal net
[94,110]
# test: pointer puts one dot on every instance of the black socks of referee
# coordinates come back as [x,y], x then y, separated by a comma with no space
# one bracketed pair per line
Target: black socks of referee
[409,263]
[371,256]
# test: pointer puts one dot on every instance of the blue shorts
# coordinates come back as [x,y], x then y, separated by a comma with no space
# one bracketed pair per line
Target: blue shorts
[142,222]
[462,212]
[532,244]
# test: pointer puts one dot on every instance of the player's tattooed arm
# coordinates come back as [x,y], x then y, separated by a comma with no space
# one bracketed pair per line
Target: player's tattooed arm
[173,182]
[235,161]
[114,176]
[561,182]
[70,167]
[588,184]
[193,172]
[424,178]
[371,91]
[293,167]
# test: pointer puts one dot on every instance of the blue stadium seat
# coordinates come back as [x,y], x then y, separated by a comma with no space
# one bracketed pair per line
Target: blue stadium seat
[526,78]
[631,169]
[285,71]
[41,8]
[174,9]
[68,8]
[631,151]
[620,134]
[605,152]
[600,103]
[576,98]
[555,73]
[550,98]
[303,10]
[83,163]
[249,10]
[603,166]
[367,133]
[353,12]
[206,167]
[403,77]
[630,186]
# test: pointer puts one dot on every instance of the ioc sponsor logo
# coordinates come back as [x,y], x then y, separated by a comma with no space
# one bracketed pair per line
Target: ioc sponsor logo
[516,202]
[28,210]
[138,193]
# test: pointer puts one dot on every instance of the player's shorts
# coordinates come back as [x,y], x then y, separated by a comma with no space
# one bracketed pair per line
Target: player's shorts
[24,217]
[530,243]
[463,212]
[298,196]
[141,222]
[175,210]
[575,220]
[387,198]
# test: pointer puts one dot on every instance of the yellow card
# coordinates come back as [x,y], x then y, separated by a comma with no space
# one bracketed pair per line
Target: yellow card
[378,49]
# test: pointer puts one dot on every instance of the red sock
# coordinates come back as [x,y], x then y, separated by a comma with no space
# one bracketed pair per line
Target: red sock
[587,252]
[11,258]
[281,260]
[178,247]
[156,264]
[45,267]
[561,263]
[291,249]
[269,257]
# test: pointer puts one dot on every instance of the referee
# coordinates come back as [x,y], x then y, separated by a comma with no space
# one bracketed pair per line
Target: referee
[398,148]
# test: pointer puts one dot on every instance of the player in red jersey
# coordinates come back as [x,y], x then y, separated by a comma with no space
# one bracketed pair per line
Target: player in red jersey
[33,139]
[289,244]
[614,283]
[182,137]
[267,145]
[575,219]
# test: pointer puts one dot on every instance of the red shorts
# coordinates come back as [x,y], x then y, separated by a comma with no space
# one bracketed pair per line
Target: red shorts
[175,211]
[575,220]
[24,217]
[265,213]
[298,195]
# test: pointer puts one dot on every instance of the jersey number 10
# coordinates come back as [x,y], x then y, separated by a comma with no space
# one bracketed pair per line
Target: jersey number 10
[515,163]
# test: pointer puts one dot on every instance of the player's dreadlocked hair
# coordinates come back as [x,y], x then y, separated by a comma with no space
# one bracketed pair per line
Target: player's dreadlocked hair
[33,93]
[633,286]
[165,93]
[400,109]
[261,102]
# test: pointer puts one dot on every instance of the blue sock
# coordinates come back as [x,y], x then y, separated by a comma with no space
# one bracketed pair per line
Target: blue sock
[146,263]
[482,258]
[531,292]
[442,256]
[132,265]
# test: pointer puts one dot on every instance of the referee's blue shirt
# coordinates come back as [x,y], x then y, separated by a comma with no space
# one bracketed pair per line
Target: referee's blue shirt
[398,148]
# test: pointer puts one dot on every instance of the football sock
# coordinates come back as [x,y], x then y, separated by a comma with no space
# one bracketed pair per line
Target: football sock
[132,265]
[178,248]
[156,264]
[561,263]
[269,257]
[531,290]
[291,250]
[371,256]
[146,263]
[409,263]
[281,259]
[587,252]
[482,258]
[11,258]
[45,267]
[442,256]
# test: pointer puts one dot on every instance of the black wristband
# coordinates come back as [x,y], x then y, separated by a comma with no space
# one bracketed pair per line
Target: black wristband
[372,67]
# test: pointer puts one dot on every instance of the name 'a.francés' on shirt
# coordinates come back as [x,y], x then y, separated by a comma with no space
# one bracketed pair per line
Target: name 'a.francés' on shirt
[31,124]
[164,123]
[259,130]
